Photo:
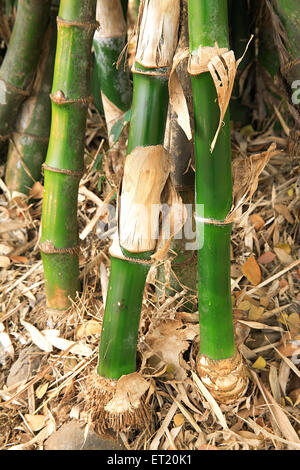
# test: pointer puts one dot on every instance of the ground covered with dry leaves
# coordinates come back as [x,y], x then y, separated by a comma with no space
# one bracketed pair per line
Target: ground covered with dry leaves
[45,360]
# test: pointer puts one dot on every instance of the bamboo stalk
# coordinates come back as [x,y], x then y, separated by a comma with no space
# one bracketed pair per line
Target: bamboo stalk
[146,170]
[64,161]
[109,42]
[29,143]
[20,62]
[147,127]
[184,265]
[289,13]
[208,25]
[113,74]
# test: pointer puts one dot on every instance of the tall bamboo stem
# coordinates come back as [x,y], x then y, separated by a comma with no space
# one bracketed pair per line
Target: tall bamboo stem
[29,143]
[64,162]
[117,354]
[208,25]
[21,59]
[109,42]
[184,265]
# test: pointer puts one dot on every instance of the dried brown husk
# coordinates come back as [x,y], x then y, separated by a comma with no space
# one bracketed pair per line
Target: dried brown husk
[156,46]
[225,379]
[110,16]
[246,171]
[147,187]
[118,405]
[169,339]
[222,65]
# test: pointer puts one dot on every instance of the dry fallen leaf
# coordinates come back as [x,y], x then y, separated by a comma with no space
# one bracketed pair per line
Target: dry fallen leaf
[4,262]
[257,221]
[178,419]
[5,249]
[283,256]
[37,191]
[6,347]
[41,390]
[255,312]
[283,210]
[266,257]
[130,388]
[169,339]
[19,259]
[260,363]
[208,447]
[37,337]
[251,270]
[91,327]
[35,422]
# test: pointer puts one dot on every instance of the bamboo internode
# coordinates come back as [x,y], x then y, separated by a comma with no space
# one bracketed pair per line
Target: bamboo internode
[64,162]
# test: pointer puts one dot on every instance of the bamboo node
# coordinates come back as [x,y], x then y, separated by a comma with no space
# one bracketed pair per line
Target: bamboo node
[225,379]
[155,72]
[206,220]
[31,136]
[80,24]
[64,171]
[59,98]
[15,89]
[49,248]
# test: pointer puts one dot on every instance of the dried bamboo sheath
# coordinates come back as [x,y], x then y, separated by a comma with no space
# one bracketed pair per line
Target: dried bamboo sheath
[64,163]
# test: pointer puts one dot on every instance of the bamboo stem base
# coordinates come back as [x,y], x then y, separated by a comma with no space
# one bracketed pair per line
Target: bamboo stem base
[109,410]
[225,379]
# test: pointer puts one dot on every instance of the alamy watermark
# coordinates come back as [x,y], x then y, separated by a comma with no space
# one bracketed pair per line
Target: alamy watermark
[187,229]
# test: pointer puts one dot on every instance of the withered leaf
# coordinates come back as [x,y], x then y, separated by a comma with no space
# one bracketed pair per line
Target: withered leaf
[257,221]
[283,210]
[260,363]
[266,257]
[252,271]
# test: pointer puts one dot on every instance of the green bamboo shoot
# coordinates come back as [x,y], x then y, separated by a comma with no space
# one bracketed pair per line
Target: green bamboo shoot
[64,162]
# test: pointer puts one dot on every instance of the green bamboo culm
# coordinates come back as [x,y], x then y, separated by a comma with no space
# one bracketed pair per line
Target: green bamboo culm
[64,162]
[118,345]
[208,25]
[109,42]
[289,14]
[183,273]
[19,65]
[29,142]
